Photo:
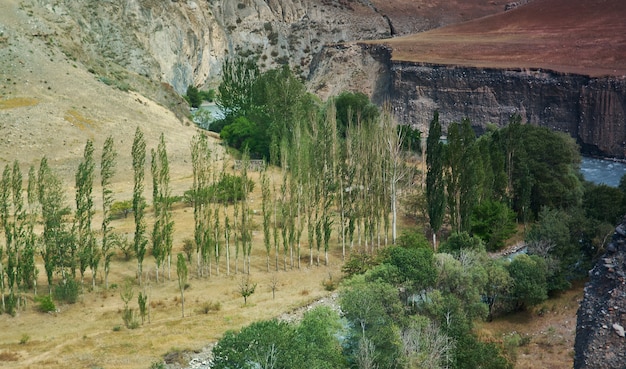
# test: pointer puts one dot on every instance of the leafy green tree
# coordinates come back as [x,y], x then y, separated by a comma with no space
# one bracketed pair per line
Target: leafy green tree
[353,107]
[529,281]
[107,171]
[273,347]
[435,185]
[494,223]
[139,203]
[465,278]
[374,311]
[193,96]
[58,251]
[234,96]
[163,229]
[497,288]
[542,168]
[317,341]
[458,242]
[158,243]
[27,273]
[88,253]
[604,203]
[461,174]
[267,214]
[240,134]
[119,208]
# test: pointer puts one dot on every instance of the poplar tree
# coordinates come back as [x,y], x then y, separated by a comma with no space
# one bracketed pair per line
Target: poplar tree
[158,247]
[107,171]
[28,268]
[88,254]
[162,234]
[246,233]
[139,203]
[200,159]
[267,214]
[58,242]
[18,224]
[434,177]
[5,206]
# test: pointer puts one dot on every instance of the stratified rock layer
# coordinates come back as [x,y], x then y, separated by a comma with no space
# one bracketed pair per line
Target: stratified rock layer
[592,110]
[600,341]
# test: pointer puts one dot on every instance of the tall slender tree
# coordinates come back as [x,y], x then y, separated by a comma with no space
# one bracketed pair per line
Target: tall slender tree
[88,254]
[28,267]
[267,214]
[434,177]
[58,241]
[200,159]
[139,203]
[162,234]
[107,171]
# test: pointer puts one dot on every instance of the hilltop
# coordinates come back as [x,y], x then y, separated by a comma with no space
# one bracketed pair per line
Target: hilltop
[582,36]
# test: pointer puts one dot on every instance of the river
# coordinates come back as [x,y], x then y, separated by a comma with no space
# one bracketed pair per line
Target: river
[602,171]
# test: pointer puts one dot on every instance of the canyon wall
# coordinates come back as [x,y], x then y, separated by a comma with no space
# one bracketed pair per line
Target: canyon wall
[600,337]
[592,110]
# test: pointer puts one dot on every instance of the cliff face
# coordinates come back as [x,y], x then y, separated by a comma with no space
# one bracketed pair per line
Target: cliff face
[592,110]
[185,42]
[600,338]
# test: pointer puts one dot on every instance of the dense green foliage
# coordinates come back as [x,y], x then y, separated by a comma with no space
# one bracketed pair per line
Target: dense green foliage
[228,189]
[435,187]
[195,97]
[352,109]
[310,344]
[493,222]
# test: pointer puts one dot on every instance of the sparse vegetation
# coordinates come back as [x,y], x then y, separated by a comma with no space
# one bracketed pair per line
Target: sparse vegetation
[46,305]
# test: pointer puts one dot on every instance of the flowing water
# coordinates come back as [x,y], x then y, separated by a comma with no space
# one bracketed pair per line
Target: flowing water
[602,171]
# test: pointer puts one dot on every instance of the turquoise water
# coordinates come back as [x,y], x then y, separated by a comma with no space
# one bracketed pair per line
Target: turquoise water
[602,171]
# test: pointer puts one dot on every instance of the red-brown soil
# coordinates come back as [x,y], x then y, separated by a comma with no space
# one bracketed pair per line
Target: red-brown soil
[572,36]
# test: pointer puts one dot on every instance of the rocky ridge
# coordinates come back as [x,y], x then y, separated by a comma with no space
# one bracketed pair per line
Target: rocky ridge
[600,338]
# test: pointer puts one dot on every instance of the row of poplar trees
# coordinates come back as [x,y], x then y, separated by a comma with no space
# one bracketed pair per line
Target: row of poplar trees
[67,244]
[325,183]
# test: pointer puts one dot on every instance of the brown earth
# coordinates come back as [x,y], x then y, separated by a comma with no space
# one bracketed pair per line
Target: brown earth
[574,36]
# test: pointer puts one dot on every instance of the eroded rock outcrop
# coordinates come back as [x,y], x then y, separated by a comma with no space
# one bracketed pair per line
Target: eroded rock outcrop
[600,341]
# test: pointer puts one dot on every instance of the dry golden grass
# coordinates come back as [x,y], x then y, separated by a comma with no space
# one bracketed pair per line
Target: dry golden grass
[85,334]
[17,102]
[549,330]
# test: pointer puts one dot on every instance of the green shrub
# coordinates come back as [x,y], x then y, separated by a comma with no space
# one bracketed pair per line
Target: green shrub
[67,291]
[25,338]
[46,305]
[158,365]
[130,318]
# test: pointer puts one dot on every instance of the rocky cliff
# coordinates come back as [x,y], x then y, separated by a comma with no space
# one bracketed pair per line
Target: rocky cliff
[183,42]
[600,338]
[591,109]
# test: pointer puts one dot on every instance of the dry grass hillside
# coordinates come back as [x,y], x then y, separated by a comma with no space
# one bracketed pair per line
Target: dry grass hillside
[580,36]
